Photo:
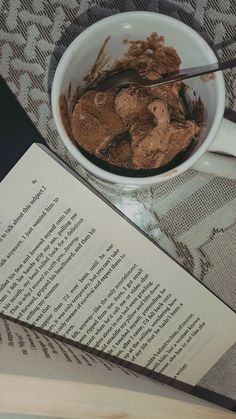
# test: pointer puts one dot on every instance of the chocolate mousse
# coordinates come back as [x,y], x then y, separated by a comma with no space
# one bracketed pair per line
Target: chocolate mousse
[136,127]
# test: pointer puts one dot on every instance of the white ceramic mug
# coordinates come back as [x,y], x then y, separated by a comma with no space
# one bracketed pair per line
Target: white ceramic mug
[218,134]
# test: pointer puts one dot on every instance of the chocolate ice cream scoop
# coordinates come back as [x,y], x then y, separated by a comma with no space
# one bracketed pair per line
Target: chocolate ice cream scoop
[94,121]
[132,103]
[136,127]
[154,146]
[170,93]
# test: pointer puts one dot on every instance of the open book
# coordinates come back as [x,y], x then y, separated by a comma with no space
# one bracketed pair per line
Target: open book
[43,377]
[72,265]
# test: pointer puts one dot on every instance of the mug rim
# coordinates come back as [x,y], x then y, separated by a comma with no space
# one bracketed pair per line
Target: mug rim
[92,168]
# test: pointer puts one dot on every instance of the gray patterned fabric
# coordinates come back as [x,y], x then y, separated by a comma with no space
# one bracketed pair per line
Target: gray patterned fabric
[192,217]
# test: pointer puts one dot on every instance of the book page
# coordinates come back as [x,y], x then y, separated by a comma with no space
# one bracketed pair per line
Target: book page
[29,353]
[72,265]
[17,416]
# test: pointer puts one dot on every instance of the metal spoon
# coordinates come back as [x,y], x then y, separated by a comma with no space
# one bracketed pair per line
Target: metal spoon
[129,77]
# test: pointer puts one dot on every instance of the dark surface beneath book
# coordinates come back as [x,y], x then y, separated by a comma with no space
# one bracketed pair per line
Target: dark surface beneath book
[17,130]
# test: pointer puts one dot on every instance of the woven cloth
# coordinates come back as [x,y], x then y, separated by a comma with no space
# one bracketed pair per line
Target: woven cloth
[192,217]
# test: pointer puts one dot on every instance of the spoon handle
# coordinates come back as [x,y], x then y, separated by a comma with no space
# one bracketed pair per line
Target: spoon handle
[188,73]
